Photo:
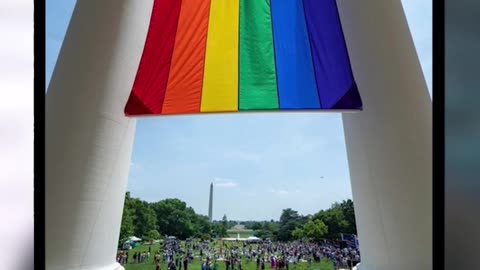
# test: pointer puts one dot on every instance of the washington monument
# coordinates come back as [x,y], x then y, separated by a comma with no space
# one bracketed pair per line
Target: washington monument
[210,203]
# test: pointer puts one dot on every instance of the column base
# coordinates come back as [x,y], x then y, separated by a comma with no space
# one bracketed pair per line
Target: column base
[114,266]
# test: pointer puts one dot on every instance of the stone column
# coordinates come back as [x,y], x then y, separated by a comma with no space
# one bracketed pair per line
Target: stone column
[88,138]
[389,143]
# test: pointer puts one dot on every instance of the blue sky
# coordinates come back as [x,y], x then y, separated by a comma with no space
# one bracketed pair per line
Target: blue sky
[259,163]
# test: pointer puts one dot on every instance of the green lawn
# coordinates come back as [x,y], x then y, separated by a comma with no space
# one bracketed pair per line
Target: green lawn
[246,265]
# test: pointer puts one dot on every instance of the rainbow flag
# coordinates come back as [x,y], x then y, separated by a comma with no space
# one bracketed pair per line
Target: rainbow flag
[206,56]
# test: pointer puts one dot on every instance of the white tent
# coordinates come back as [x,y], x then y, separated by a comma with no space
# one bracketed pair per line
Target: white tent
[134,239]
[229,239]
[253,238]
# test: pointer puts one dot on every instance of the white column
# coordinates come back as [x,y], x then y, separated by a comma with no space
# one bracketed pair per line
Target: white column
[88,138]
[389,144]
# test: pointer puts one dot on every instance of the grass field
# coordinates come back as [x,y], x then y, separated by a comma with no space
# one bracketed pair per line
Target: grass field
[195,265]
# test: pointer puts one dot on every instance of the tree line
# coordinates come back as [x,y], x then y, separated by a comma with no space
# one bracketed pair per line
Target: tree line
[325,224]
[166,217]
[174,217]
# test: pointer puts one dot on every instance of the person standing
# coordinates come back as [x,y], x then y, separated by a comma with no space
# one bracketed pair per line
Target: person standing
[227,263]
[125,258]
[157,267]
[349,262]
[185,263]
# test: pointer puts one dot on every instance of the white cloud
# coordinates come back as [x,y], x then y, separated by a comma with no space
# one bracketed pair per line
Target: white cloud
[225,183]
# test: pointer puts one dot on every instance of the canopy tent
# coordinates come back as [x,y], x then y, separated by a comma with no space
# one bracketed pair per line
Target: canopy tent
[135,239]
[231,239]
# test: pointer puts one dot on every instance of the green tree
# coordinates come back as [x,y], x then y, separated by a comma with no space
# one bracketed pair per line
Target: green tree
[231,223]
[145,219]
[315,230]
[256,226]
[152,235]
[334,219]
[298,233]
[349,215]
[202,226]
[127,227]
[289,220]
[225,221]
[220,230]
[268,229]
[263,234]
[174,218]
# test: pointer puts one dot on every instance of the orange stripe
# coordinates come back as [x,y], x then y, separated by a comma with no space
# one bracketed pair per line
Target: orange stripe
[184,88]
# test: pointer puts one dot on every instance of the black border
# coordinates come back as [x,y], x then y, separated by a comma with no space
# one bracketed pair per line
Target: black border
[438,132]
[39,133]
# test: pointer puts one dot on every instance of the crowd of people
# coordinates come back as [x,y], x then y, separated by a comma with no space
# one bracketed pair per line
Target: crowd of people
[278,255]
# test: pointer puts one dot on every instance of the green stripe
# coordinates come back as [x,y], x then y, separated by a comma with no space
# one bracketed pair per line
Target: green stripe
[257,82]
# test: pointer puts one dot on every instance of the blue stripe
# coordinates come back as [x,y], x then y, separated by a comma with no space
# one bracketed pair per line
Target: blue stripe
[295,75]
[333,73]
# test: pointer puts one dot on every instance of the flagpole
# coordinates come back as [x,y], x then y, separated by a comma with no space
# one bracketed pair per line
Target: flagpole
[389,143]
[88,138]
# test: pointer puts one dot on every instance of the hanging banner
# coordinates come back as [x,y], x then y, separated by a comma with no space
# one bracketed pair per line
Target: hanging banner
[214,56]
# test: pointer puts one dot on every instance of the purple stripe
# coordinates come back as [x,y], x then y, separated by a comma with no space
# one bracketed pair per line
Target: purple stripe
[333,73]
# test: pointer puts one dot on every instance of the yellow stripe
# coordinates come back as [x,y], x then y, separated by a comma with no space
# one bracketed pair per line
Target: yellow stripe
[220,82]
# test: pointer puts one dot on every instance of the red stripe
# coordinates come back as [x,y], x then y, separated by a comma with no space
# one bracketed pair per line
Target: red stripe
[148,92]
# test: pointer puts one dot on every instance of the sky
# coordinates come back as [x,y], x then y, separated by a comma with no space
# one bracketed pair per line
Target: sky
[259,163]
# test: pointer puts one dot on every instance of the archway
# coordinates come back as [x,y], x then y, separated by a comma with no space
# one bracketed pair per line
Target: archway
[89,140]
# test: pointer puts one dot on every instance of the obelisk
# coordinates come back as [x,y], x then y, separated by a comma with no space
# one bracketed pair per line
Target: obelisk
[210,203]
